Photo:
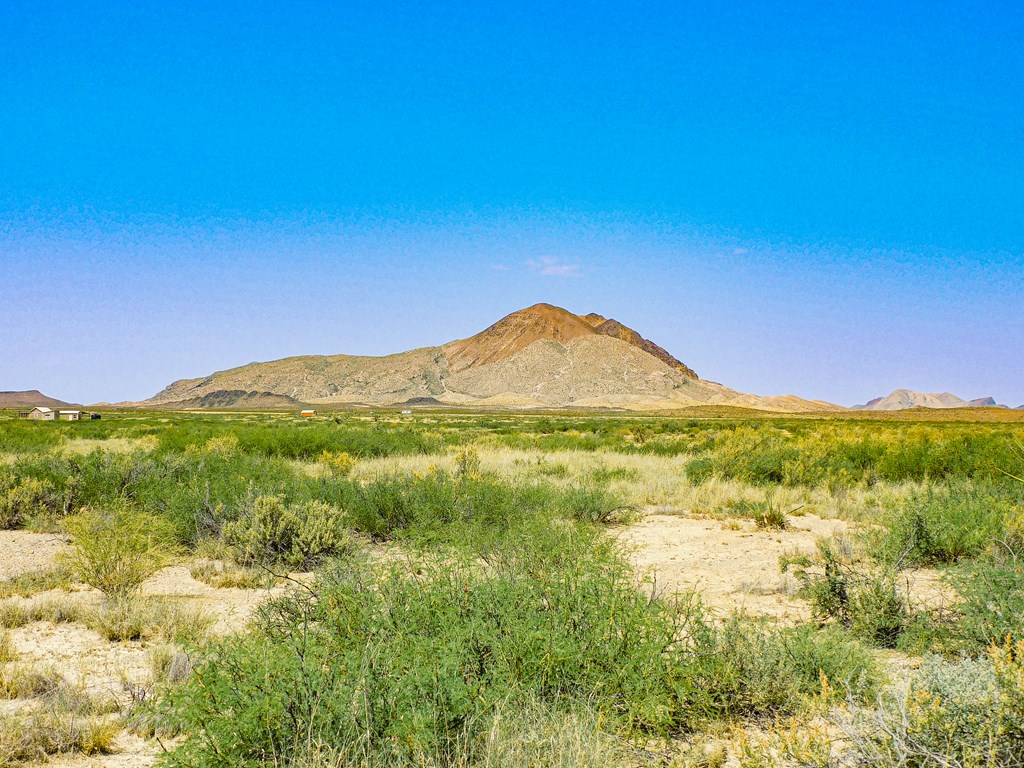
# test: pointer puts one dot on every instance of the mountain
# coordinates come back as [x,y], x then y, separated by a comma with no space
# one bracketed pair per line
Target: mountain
[29,398]
[902,399]
[238,398]
[542,356]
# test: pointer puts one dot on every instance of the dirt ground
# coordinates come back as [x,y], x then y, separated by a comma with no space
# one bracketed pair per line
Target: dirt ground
[732,570]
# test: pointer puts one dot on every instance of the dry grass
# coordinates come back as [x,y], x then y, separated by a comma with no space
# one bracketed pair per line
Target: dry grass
[221,574]
[34,582]
[645,480]
[64,719]
[118,621]
[81,446]
[7,650]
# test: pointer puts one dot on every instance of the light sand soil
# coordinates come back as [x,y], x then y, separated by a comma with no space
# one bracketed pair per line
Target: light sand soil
[83,656]
[22,552]
[732,569]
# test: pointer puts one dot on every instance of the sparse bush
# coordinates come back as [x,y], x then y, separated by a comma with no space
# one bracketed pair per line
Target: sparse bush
[117,548]
[271,532]
[967,713]
[467,463]
[863,597]
[26,500]
[338,463]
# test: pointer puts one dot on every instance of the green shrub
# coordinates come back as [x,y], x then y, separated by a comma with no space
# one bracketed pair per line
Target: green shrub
[411,662]
[419,654]
[943,526]
[863,597]
[271,532]
[26,500]
[991,604]
[593,504]
[755,670]
[117,548]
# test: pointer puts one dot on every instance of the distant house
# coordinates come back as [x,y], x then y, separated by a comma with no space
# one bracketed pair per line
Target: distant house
[69,415]
[40,413]
[308,413]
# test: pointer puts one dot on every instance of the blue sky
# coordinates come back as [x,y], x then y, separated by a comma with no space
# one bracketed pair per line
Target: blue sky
[818,198]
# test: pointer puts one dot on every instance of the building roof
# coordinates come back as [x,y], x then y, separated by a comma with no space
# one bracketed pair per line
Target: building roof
[42,408]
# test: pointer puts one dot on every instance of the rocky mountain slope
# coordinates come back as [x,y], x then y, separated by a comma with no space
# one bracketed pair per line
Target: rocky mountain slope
[542,356]
[902,399]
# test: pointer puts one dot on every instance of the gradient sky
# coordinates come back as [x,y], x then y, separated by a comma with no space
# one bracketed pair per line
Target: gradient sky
[822,198]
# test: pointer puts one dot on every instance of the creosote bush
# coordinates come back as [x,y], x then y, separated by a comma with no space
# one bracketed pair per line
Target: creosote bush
[862,596]
[271,532]
[115,549]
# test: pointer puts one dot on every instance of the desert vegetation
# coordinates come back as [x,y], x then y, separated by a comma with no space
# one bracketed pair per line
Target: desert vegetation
[466,589]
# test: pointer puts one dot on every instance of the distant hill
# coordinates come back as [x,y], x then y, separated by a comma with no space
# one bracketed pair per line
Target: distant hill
[902,399]
[541,356]
[29,398]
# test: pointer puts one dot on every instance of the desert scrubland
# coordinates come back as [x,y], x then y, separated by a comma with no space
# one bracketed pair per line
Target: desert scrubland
[507,589]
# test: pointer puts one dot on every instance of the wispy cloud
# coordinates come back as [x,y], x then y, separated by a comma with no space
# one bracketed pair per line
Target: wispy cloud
[549,266]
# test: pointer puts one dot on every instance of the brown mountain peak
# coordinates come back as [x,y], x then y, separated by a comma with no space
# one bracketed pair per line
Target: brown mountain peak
[593,319]
[514,333]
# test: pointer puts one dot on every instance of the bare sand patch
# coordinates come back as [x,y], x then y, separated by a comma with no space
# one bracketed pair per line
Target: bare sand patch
[733,570]
[24,552]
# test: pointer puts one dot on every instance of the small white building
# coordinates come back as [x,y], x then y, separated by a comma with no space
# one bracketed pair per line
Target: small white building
[41,413]
[69,415]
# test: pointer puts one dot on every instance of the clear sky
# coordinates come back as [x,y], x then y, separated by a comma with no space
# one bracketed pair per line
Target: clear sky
[823,198]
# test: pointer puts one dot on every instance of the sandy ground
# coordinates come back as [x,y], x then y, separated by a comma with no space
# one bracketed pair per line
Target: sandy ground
[82,656]
[733,570]
[22,552]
